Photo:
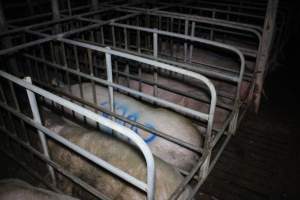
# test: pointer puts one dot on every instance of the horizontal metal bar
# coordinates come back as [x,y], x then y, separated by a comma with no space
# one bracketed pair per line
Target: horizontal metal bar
[174,14]
[216,10]
[227,4]
[98,23]
[25,45]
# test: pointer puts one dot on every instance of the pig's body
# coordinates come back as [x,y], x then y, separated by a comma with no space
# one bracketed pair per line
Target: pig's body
[114,151]
[166,121]
[14,189]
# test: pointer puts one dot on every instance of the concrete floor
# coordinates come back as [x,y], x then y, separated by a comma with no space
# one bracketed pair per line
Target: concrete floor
[262,161]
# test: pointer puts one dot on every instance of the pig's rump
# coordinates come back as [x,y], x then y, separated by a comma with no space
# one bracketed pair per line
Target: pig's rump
[114,151]
[166,121]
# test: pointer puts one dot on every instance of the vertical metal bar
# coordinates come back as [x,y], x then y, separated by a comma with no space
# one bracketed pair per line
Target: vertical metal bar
[110,80]
[191,45]
[7,43]
[78,69]
[37,118]
[127,74]
[148,36]
[54,56]
[140,78]
[79,77]
[66,66]
[205,168]
[102,35]
[186,29]
[55,9]
[90,57]
[37,68]
[9,143]
[125,39]
[92,37]
[171,38]
[266,45]
[113,36]
[138,42]
[30,8]
[69,7]
[23,132]
[95,4]
[3,25]
[117,71]
[44,65]
[155,45]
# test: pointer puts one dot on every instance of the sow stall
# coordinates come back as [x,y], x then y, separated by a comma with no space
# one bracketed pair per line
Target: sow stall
[135,76]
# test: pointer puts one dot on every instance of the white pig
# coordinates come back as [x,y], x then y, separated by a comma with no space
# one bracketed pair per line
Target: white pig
[166,121]
[114,151]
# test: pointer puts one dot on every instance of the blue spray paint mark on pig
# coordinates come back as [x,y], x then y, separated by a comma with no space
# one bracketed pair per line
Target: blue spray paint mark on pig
[124,111]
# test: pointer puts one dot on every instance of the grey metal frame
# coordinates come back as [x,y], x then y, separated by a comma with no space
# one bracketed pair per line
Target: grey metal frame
[148,187]
[208,117]
[205,164]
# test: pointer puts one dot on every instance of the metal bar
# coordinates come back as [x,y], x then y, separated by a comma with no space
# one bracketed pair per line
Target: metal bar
[194,17]
[267,40]
[227,4]
[191,45]
[55,9]
[7,43]
[137,140]
[198,185]
[3,24]
[186,29]
[37,119]
[180,188]
[155,52]
[23,46]
[95,4]
[90,58]
[110,80]
[234,13]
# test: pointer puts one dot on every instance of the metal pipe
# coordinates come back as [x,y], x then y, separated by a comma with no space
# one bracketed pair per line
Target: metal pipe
[37,119]
[95,4]
[55,9]
[110,80]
